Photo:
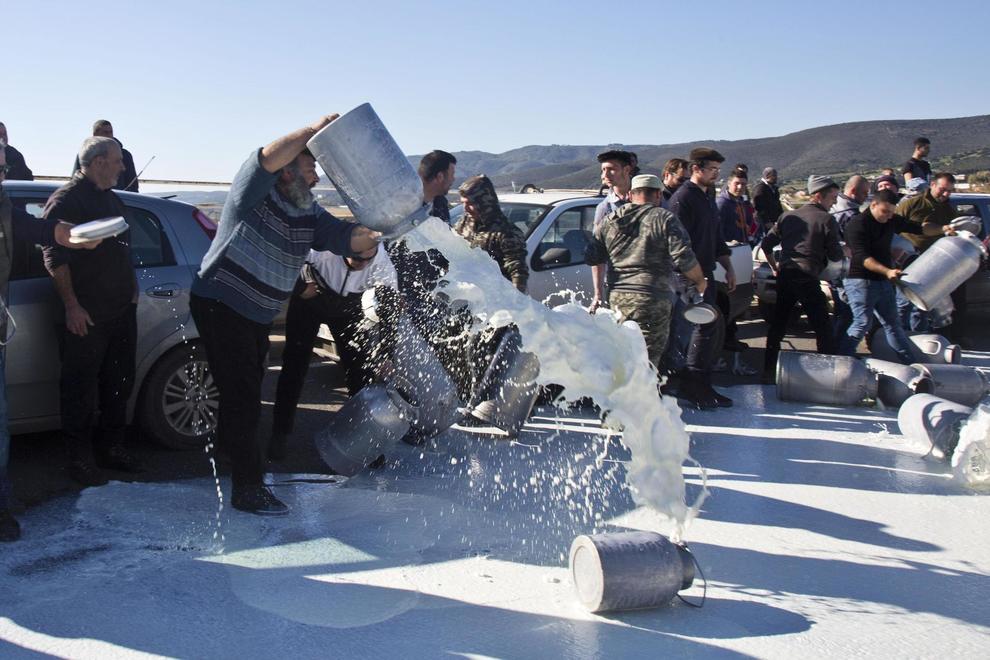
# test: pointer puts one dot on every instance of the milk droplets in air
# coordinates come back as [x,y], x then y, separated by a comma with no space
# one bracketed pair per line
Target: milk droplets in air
[590,356]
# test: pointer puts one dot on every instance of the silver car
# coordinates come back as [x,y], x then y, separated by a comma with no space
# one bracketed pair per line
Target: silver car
[174,400]
[557,226]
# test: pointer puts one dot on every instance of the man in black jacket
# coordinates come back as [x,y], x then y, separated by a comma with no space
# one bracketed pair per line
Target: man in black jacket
[99,291]
[17,224]
[809,238]
[696,209]
[766,201]
[17,169]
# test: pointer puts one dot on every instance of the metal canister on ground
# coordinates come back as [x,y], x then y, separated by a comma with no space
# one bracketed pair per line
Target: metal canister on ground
[364,428]
[896,382]
[836,380]
[956,382]
[629,570]
[931,418]
[932,349]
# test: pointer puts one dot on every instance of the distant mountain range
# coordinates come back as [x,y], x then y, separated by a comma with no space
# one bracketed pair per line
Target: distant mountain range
[961,145]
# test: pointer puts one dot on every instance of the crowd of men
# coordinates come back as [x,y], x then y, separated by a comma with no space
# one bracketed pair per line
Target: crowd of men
[654,250]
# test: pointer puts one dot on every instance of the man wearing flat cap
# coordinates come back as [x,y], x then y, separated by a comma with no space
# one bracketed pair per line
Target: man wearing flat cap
[640,242]
[809,238]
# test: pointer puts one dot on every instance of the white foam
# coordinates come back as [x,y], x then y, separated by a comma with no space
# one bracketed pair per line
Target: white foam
[971,459]
[590,356]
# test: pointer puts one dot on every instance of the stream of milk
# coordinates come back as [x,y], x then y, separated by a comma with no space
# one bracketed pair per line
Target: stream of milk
[590,356]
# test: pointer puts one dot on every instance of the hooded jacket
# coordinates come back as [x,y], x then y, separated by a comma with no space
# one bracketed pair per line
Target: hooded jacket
[843,211]
[640,243]
[492,231]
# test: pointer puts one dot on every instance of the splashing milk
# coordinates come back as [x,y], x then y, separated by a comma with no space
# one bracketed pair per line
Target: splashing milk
[590,356]
[971,459]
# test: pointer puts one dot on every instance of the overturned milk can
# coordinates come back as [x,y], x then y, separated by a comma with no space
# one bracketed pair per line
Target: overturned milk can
[508,390]
[836,380]
[629,570]
[930,418]
[956,382]
[428,384]
[932,349]
[364,428]
[896,382]
[941,269]
[370,172]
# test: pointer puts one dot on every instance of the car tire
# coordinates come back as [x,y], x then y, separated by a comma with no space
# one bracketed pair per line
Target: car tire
[180,400]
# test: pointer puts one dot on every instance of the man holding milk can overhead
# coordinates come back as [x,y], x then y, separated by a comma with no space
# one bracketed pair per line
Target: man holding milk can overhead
[269,223]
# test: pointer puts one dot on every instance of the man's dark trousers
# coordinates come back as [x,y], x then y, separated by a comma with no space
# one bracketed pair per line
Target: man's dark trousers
[795,286]
[302,324]
[236,348]
[97,380]
[706,340]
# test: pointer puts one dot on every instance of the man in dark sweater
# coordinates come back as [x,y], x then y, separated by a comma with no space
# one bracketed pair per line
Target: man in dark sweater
[809,237]
[694,206]
[269,223]
[15,223]
[675,173]
[99,291]
[17,169]
[870,283]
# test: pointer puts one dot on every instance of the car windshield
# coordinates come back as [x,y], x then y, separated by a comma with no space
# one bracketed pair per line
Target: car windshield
[524,216]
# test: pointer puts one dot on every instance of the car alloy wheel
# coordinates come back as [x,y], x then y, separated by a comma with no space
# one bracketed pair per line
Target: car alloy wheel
[190,399]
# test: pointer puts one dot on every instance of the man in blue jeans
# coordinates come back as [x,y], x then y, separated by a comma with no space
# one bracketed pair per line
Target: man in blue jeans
[869,285]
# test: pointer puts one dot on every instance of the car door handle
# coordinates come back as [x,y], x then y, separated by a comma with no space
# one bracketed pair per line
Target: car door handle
[162,290]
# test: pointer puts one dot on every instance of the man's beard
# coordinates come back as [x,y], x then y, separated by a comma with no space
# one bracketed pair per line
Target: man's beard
[298,193]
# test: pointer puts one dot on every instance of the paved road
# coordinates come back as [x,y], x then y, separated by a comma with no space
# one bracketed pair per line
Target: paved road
[38,462]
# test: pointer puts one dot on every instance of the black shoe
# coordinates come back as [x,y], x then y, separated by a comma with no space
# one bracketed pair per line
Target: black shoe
[377,463]
[735,345]
[720,400]
[118,458]
[259,501]
[278,446]
[693,394]
[86,473]
[9,529]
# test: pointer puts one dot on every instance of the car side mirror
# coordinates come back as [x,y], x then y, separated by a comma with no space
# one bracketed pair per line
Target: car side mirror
[556,256]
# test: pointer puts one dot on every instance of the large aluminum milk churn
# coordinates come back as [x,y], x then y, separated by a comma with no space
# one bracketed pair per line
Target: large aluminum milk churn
[364,428]
[931,418]
[941,269]
[628,570]
[896,382]
[836,380]
[370,172]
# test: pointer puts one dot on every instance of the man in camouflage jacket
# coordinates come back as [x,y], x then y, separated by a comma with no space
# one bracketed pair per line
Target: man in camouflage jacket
[484,225]
[640,242]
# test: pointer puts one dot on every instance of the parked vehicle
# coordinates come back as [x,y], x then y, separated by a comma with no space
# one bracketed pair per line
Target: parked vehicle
[977,287]
[175,399]
[557,226]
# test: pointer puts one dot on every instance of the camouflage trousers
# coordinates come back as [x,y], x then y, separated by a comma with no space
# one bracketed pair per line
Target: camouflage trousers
[651,313]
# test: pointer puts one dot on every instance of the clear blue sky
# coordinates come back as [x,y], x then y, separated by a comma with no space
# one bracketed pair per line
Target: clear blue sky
[199,84]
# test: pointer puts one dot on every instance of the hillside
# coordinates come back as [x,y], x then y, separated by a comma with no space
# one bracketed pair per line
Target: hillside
[959,144]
